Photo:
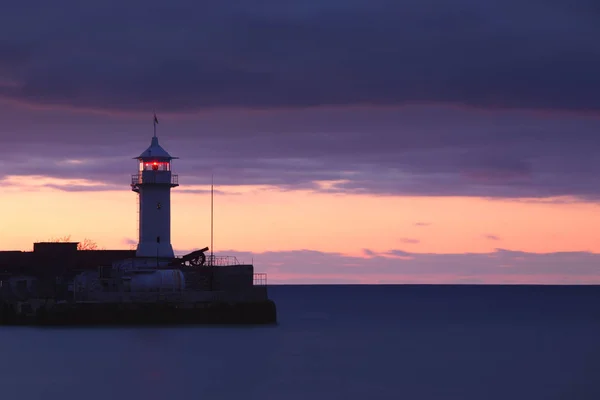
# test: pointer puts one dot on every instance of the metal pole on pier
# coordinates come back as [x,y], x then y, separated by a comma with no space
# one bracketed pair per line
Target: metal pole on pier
[212,182]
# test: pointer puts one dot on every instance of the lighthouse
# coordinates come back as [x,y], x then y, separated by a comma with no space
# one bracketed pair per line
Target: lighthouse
[153,184]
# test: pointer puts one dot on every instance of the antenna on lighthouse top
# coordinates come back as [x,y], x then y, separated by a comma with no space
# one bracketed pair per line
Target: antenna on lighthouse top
[155,123]
[212,181]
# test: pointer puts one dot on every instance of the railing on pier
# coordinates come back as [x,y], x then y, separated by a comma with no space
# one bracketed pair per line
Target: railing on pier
[260,279]
[221,261]
[138,179]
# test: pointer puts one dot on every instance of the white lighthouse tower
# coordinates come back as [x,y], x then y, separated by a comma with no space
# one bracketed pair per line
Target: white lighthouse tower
[153,184]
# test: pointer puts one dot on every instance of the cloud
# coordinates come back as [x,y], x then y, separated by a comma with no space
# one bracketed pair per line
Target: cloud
[82,188]
[397,266]
[369,253]
[129,241]
[491,237]
[422,224]
[410,241]
[411,150]
[189,55]
[397,253]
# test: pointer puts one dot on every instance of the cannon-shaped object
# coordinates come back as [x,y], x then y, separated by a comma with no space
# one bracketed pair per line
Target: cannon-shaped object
[193,259]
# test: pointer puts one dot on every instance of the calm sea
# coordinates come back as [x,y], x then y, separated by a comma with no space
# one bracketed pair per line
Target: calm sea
[333,342]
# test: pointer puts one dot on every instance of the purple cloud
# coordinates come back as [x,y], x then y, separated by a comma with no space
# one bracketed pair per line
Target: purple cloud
[491,237]
[397,253]
[441,151]
[185,55]
[369,253]
[500,266]
[129,241]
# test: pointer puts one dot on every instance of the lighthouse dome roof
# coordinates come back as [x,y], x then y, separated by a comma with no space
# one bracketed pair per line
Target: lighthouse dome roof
[155,151]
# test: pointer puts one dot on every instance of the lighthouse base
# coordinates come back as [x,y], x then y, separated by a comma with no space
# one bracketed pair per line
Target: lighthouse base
[156,250]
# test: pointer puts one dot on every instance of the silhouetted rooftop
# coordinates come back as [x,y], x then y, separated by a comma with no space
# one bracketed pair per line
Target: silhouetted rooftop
[57,259]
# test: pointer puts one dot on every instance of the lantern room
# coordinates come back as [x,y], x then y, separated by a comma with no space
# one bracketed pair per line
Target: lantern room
[155,158]
[154,165]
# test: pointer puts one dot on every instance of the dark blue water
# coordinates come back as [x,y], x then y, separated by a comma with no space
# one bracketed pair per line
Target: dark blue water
[333,342]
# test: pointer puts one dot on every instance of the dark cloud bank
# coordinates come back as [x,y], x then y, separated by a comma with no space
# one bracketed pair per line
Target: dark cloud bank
[194,55]
[189,54]
[423,151]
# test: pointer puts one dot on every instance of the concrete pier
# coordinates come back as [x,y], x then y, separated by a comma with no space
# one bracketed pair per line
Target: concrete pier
[146,313]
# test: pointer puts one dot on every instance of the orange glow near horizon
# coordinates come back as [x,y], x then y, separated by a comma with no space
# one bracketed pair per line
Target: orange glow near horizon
[261,219]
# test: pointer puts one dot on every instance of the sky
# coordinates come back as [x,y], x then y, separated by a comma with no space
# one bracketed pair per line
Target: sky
[351,141]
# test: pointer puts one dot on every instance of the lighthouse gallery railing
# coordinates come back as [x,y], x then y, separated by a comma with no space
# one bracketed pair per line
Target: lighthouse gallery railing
[138,179]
